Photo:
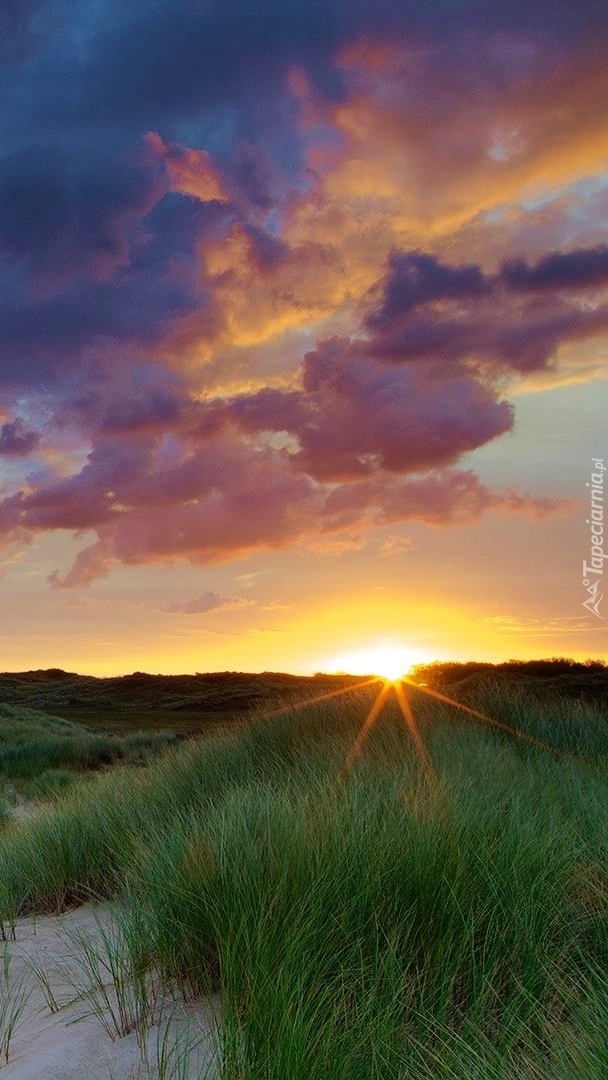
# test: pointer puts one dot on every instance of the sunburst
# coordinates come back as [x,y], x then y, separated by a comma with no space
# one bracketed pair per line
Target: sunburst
[401,689]
[385,659]
[390,664]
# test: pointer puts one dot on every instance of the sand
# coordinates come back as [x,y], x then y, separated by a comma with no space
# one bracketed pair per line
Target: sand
[20,809]
[71,1044]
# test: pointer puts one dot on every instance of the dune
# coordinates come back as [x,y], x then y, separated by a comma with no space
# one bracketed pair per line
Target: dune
[71,1043]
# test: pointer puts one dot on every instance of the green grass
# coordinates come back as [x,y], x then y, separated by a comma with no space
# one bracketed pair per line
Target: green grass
[4,807]
[378,926]
[41,755]
[48,784]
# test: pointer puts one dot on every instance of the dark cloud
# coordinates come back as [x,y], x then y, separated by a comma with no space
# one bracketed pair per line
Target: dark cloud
[269,410]
[167,60]
[172,60]
[268,252]
[25,26]
[252,175]
[449,16]
[416,278]
[430,311]
[582,268]
[99,255]
[17,439]
[519,339]
[66,217]
[160,284]
[142,397]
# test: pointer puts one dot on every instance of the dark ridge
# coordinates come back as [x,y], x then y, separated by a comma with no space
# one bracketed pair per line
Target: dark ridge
[189,702]
[584,680]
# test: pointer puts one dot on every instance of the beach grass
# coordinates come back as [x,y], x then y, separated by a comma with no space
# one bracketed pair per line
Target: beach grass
[41,755]
[375,923]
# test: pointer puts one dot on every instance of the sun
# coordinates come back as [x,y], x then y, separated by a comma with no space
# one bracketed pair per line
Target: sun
[388,661]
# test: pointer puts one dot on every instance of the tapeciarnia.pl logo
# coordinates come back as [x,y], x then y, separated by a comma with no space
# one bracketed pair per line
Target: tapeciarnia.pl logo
[593,571]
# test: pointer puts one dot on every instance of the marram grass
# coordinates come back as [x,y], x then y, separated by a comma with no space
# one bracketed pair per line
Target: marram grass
[374,926]
[42,755]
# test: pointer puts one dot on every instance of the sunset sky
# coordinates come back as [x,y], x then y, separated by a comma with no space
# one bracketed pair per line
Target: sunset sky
[303,331]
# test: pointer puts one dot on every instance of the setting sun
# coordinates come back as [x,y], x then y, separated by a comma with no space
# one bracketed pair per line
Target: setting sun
[388,661]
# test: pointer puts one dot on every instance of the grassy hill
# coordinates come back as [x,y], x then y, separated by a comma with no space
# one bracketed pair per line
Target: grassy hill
[373,923]
[560,677]
[186,703]
[41,755]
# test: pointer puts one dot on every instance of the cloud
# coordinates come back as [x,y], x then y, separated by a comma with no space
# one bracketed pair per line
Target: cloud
[150,501]
[17,439]
[66,217]
[450,498]
[425,310]
[24,28]
[91,563]
[395,544]
[206,602]
[475,114]
[137,307]
[527,624]
[355,415]
[336,544]
[416,278]
[361,439]
[191,196]
[179,59]
[141,397]
[577,269]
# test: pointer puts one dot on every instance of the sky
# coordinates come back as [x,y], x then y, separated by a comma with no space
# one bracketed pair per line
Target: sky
[303,345]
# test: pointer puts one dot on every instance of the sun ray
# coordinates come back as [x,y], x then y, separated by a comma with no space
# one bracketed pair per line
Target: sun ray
[414,730]
[500,724]
[366,727]
[398,685]
[294,705]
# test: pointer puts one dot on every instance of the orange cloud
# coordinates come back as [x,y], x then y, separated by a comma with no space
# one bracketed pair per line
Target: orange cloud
[191,171]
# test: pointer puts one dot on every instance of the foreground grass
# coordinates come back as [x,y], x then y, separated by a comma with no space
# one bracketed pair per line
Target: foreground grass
[375,927]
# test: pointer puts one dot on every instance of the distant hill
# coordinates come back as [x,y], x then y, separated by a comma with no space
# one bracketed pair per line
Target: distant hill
[182,702]
[199,702]
[587,681]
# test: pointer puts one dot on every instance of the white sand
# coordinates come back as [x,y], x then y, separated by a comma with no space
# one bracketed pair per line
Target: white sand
[71,1044]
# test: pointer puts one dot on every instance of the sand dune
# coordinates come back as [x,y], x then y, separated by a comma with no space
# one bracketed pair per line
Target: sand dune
[71,1044]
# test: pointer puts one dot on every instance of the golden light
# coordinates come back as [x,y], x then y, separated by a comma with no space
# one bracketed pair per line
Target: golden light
[388,661]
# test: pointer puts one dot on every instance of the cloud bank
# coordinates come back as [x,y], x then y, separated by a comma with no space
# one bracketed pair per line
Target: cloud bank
[265,277]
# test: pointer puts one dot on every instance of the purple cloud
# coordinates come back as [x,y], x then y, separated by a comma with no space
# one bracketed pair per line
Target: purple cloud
[430,311]
[416,278]
[17,439]
[581,268]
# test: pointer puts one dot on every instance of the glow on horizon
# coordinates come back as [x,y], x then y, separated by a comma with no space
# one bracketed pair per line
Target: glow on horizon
[389,661]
